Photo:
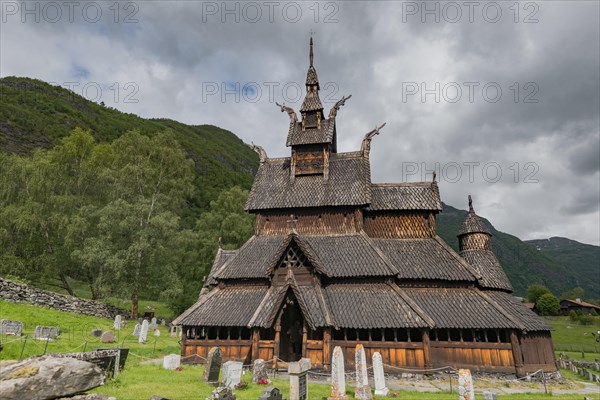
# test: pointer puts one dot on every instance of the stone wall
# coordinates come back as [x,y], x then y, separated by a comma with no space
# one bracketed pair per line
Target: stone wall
[20,293]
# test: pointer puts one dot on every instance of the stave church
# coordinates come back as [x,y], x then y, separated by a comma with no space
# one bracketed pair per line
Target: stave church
[337,260]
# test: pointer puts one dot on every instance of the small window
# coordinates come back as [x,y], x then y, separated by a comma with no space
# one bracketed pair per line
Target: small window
[492,336]
[389,335]
[351,334]
[402,335]
[416,335]
[376,335]
[442,335]
[338,334]
[454,335]
[467,335]
[246,333]
[363,334]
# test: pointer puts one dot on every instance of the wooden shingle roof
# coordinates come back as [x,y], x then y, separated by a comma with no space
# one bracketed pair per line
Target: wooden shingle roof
[488,266]
[530,320]
[405,196]
[324,134]
[371,305]
[459,308]
[221,258]
[349,184]
[426,258]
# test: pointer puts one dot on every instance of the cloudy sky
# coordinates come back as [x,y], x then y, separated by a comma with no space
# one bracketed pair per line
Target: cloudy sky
[501,98]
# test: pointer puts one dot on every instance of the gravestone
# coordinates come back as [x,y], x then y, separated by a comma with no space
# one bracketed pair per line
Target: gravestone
[465,385]
[222,393]
[123,353]
[10,327]
[232,373]
[213,365]
[362,390]
[96,332]
[163,322]
[153,325]
[117,323]
[338,377]
[380,388]
[173,331]
[108,337]
[46,332]
[259,370]
[157,332]
[172,361]
[136,330]
[143,332]
[489,396]
[271,393]
[298,385]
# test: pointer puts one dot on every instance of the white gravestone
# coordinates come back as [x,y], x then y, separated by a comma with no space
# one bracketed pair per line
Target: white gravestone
[153,323]
[465,385]
[136,330]
[338,376]
[172,361]
[157,332]
[46,332]
[10,327]
[232,373]
[362,390]
[298,384]
[380,388]
[143,332]
[117,323]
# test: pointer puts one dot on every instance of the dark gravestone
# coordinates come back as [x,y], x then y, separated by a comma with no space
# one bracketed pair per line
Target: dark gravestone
[96,332]
[122,356]
[271,393]
[213,365]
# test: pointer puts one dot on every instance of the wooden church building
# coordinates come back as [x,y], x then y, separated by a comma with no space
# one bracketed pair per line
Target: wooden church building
[337,260]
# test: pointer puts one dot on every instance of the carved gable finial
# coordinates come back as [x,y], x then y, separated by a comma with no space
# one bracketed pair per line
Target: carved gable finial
[471,204]
[366,144]
[260,150]
[337,106]
[289,110]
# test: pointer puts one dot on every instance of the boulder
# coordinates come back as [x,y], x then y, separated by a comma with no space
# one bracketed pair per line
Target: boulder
[89,397]
[47,377]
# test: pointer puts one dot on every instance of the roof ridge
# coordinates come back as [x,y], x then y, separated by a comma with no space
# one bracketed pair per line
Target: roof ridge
[461,260]
[394,269]
[413,304]
[500,309]
[226,263]
[260,306]
[195,306]
[393,184]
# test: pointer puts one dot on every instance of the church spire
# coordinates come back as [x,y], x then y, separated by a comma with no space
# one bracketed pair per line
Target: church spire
[312,102]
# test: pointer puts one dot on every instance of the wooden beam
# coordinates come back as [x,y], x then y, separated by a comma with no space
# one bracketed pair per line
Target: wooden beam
[326,348]
[426,352]
[255,339]
[517,353]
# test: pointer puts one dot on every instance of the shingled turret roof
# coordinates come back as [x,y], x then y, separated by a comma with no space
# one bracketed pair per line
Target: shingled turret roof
[473,223]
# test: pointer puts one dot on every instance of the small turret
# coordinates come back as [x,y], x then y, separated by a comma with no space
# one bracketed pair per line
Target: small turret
[474,234]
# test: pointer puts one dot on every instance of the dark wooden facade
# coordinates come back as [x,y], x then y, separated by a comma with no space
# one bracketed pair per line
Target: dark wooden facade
[336,260]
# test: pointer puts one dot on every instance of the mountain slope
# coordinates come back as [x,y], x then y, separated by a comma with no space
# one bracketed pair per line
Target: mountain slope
[34,114]
[560,268]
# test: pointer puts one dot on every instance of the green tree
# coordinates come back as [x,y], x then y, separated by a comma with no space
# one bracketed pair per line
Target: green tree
[535,291]
[150,182]
[548,304]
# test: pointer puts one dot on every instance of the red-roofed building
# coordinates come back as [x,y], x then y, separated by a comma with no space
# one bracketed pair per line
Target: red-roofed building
[566,306]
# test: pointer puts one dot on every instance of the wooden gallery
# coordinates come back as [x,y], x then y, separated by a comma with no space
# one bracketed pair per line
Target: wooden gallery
[336,260]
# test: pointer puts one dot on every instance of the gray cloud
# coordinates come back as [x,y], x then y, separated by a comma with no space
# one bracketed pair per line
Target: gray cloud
[372,52]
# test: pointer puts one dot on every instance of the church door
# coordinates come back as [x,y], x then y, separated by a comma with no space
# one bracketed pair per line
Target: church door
[292,323]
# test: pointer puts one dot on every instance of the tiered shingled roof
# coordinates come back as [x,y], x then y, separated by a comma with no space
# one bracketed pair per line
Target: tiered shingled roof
[352,280]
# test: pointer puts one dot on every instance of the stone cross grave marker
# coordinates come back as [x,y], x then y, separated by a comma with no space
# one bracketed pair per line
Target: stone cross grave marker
[259,370]
[232,373]
[46,332]
[136,330]
[380,388]
[338,377]
[143,332]
[172,361]
[465,385]
[213,365]
[362,390]
[117,323]
[153,323]
[298,385]
[10,327]
[271,393]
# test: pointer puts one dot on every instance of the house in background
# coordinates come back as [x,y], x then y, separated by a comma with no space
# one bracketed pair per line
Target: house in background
[577,305]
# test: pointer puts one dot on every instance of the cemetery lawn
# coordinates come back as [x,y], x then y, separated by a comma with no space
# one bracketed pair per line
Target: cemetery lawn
[571,338]
[144,381]
[76,334]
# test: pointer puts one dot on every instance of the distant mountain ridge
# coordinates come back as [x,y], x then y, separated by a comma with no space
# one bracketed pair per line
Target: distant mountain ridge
[558,263]
[35,114]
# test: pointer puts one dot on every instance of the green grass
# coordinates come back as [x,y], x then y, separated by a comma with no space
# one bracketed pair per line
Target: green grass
[144,381]
[75,334]
[571,338]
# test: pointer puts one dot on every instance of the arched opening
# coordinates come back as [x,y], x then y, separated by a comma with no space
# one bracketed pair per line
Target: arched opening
[292,329]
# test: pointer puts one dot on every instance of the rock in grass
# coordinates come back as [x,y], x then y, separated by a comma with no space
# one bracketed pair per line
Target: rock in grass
[46,377]
[89,397]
